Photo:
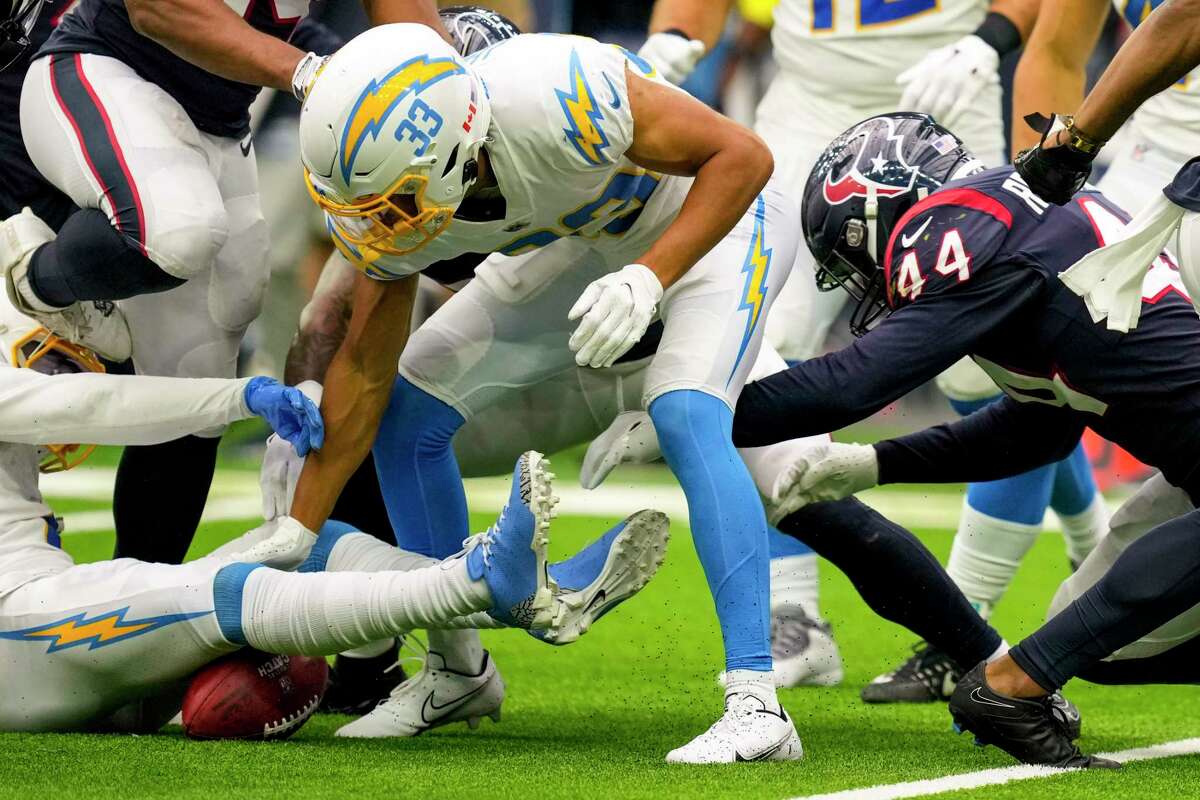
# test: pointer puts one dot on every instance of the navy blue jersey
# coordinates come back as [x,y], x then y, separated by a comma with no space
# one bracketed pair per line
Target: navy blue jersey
[973,270]
[23,185]
[216,105]
[1184,188]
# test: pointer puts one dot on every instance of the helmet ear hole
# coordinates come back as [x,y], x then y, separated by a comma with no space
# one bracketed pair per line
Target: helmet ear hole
[451,161]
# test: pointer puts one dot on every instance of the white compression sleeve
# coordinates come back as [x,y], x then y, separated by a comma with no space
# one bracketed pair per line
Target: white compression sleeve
[329,612]
[113,409]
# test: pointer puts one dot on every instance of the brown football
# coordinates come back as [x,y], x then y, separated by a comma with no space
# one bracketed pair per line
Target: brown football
[253,695]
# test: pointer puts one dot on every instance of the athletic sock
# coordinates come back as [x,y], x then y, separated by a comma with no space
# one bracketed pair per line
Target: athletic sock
[371,650]
[1083,531]
[985,556]
[794,581]
[753,682]
[729,528]
[421,483]
[324,613]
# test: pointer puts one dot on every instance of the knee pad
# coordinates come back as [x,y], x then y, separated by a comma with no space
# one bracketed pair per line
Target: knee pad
[228,587]
[328,537]
[190,249]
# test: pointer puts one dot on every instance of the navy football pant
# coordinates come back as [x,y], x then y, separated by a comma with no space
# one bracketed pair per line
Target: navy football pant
[1154,580]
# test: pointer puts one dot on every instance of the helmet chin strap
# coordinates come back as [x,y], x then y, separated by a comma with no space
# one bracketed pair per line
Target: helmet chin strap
[871,214]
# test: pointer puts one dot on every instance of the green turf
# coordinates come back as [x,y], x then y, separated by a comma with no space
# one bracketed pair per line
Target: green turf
[595,719]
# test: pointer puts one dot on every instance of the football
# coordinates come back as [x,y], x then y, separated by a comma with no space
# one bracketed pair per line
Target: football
[253,695]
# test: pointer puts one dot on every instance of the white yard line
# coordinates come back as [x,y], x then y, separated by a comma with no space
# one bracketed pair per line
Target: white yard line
[235,496]
[995,777]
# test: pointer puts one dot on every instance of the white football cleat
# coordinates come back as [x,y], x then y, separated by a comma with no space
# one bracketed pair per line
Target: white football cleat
[630,439]
[747,731]
[97,325]
[803,649]
[433,697]
[605,574]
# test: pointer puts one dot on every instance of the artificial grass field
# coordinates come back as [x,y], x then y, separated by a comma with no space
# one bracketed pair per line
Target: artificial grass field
[595,719]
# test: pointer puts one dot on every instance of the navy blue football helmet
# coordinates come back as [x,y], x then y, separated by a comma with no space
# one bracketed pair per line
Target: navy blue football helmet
[860,187]
[16,23]
[473,28]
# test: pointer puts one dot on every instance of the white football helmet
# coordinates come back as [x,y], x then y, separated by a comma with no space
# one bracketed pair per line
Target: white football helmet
[26,343]
[389,136]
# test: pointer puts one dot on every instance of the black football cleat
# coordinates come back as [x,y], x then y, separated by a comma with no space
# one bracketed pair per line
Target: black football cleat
[929,676]
[1026,729]
[356,685]
[1066,714]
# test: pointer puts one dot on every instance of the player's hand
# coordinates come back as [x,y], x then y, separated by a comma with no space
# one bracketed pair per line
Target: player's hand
[306,73]
[947,80]
[826,472]
[673,55]
[282,465]
[288,411]
[1054,170]
[613,313]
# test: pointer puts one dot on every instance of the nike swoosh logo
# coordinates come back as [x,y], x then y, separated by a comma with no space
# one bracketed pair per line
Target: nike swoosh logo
[246,145]
[909,241]
[977,696]
[615,102]
[430,705]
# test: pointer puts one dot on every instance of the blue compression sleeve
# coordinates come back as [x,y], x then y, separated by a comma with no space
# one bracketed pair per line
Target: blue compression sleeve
[728,525]
[422,487]
[1074,487]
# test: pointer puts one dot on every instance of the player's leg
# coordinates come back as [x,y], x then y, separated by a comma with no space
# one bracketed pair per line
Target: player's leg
[482,344]
[151,214]
[79,644]
[803,649]
[714,320]
[192,331]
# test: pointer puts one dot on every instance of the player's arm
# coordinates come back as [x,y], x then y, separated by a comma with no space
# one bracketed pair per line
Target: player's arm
[358,384]
[1002,439]
[672,132]
[141,409]
[1162,50]
[214,37]
[1051,73]
[323,322]
[677,134]
[702,20]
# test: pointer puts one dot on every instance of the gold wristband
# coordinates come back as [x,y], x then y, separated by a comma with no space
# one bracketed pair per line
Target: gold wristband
[1079,140]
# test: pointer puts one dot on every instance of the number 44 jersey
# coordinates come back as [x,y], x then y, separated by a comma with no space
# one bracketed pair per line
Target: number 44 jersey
[973,270]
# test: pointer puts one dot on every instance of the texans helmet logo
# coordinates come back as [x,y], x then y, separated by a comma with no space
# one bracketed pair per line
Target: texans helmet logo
[887,173]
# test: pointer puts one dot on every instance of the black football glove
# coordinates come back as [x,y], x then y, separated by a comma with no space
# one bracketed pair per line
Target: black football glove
[1054,174]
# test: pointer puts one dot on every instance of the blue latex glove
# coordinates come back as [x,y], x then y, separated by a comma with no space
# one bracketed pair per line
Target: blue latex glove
[285,408]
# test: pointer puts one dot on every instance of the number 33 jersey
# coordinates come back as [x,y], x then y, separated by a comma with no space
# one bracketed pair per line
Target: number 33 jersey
[561,125]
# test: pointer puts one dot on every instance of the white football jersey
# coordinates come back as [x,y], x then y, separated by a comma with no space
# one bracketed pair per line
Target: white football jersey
[1171,119]
[560,127]
[852,50]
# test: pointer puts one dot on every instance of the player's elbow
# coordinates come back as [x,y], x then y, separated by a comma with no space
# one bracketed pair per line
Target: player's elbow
[755,162]
[151,18]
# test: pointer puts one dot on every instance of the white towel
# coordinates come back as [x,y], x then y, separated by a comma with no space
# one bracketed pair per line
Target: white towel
[1110,279]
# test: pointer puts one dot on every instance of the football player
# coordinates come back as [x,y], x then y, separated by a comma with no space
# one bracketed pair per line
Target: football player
[152,480]
[842,63]
[1146,77]
[572,159]
[80,642]
[947,260]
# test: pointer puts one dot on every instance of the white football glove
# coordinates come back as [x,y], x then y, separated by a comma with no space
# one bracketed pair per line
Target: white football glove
[946,81]
[829,471]
[306,73]
[630,439]
[674,56]
[613,313]
[281,466]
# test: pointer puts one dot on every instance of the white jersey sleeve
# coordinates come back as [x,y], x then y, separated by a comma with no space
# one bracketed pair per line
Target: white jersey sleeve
[113,409]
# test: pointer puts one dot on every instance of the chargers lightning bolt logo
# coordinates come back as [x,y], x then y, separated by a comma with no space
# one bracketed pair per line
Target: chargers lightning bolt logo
[97,632]
[584,117]
[380,98]
[756,268]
